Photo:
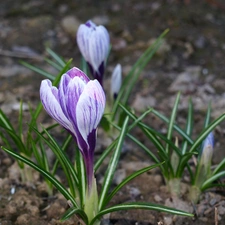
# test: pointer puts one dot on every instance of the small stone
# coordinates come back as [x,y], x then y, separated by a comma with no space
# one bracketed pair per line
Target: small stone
[134,192]
[212,201]
[120,175]
[167,220]
[13,70]
[118,44]
[158,179]
[70,25]
[157,198]
[7,161]
[221,210]
[142,103]
[187,80]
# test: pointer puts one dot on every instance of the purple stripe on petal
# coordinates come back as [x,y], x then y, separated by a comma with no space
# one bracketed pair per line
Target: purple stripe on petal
[99,47]
[50,101]
[90,108]
[74,91]
[75,72]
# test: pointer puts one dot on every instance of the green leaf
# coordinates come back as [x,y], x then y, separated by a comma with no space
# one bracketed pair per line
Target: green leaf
[84,66]
[105,154]
[189,126]
[81,175]
[112,165]
[208,115]
[140,205]
[53,64]
[4,121]
[198,141]
[134,73]
[219,167]
[150,135]
[46,174]
[72,211]
[63,159]
[213,178]
[171,121]
[38,70]
[17,140]
[56,57]
[128,179]
[206,131]
[64,70]
[64,147]
[177,128]
[105,124]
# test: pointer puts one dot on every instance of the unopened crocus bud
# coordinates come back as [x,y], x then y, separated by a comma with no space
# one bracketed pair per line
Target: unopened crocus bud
[116,81]
[204,164]
[207,150]
[203,170]
[94,43]
[78,105]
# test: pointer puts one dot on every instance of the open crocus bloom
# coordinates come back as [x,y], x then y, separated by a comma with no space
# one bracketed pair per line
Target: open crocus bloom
[94,42]
[78,105]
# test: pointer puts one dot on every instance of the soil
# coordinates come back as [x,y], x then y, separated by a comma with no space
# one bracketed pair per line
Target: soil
[191,60]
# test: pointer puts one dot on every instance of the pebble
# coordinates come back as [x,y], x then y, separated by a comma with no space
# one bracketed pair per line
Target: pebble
[167,220]
[157,198]
[70,25]
[158,179]
[134,192]
[119,176]
[13,70]
[187,80]
[141,103]
[221,209]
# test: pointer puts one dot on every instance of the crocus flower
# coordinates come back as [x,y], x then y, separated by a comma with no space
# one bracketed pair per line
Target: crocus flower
[78,105]
[93,42]
[207,150]
[116,81]
[205,158]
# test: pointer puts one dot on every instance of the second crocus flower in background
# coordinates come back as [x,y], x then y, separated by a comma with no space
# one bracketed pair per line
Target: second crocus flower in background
[78,105]
[94,43]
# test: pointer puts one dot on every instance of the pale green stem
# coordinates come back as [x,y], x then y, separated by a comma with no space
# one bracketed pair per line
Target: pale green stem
[91,202]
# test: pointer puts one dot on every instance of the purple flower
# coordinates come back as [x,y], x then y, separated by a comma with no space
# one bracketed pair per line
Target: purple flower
[93,42]
[78,105]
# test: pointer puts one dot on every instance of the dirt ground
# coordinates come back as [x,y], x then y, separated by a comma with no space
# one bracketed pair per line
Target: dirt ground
[191,60]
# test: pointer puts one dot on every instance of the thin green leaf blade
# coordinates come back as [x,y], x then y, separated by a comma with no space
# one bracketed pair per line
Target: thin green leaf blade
[46,174]
[128,179]
[112,165]
[141,205]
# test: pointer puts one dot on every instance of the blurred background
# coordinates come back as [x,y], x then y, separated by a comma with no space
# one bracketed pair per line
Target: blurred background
[190,60]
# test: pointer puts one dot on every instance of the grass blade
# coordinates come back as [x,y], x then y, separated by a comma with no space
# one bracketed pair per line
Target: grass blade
[171,121]
[56,57]
[38,70]
[189,126]
[112,165]
[132,77]
[140,205]
[128,179]
[213,178]
[46,174]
